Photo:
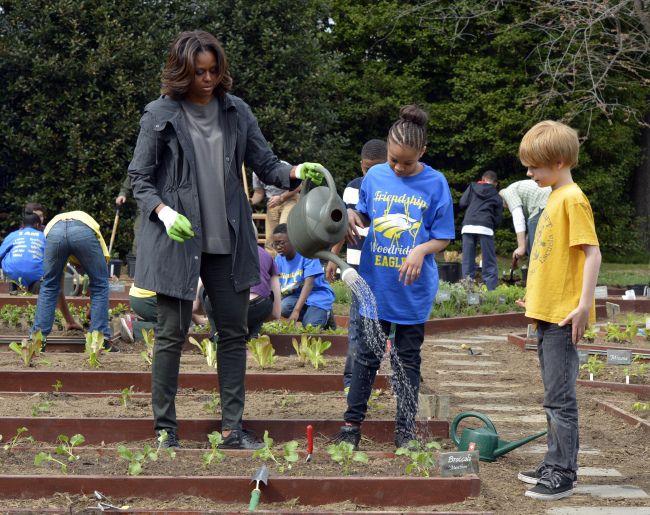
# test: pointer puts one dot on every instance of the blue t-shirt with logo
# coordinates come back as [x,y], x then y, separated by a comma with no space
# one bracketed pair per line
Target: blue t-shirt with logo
[292,279]
[21,254]
[404,212]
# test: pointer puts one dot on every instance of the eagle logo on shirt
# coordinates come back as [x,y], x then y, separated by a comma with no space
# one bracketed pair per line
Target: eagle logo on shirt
[392,226]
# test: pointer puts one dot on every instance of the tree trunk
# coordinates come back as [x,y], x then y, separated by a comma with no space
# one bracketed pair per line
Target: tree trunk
[641,192]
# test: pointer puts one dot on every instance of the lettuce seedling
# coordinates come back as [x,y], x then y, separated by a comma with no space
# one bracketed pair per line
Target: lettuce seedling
[422,460]
[42,456]
[17,439]
[593,365]
[67,445]
[137,458]
[148,337]
[127,393]
[29,349]
[314,351]
[215,440]
[642,407]
[262,350]
[266,453]
[290,455]
[641,366]
[613,332]
[211,405]
[208,350]
[57,386]
[343,453]
[591,333]
[94,347]
[44,405]
[304,342]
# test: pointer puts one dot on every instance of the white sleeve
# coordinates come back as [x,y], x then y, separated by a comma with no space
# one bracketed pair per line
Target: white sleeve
[518,219]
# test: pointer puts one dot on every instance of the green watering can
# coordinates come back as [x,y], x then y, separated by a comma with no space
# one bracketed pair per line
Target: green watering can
[317,222]
[485,440]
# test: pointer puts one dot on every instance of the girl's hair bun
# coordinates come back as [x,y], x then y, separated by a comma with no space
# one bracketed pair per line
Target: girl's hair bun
[413,113]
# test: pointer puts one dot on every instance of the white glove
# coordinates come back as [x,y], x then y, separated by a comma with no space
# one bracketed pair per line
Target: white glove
[167,216]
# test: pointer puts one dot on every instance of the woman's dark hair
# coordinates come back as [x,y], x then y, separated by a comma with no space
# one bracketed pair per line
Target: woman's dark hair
[280,229]
[409,129]
[31,219]
[179,70]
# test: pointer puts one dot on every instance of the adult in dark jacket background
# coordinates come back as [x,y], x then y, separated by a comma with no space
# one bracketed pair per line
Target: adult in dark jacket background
[484,208]
[196,220]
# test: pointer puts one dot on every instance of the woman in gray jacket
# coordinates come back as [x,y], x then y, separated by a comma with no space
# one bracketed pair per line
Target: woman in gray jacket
[196,220]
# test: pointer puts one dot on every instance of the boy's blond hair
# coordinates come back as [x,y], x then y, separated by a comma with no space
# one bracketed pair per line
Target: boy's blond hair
[547,143]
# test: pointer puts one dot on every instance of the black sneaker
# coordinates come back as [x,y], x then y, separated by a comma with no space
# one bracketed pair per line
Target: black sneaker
[172,440]
[551,486]
[533,476]
[110,347]
[241,439]
[349,434]
[403,438]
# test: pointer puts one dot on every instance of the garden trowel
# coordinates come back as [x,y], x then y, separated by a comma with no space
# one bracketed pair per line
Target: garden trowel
[262,475]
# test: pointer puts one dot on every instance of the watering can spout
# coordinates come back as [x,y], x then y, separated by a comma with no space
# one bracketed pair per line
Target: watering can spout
[348,274]
[505,447]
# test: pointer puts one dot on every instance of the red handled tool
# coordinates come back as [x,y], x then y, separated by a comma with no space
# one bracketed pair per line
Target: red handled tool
[310,443]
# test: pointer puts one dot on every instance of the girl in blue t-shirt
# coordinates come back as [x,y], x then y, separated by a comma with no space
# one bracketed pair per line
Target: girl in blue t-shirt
[408,210]
[21,252]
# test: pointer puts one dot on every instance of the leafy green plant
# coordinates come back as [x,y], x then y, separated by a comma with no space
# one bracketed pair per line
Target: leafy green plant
[285,402]
[149,341]
[208,350]
[613,332]
[631,330]
[18,439]
[266,453]
[215,440]
[422,459]
[57,386]
[314,351]
[137,458]
[640,365]
[344,454]
[643,407]
[113,312]
[127,393]
[212,404]
[629,372]
[342,292]
[94,347]
[593,365]
[43,456]
[290,327]
[44,405]
[29,349]
[591,333]
[304,342]
[262,350]
[66,448]
[371,403]
[289,454]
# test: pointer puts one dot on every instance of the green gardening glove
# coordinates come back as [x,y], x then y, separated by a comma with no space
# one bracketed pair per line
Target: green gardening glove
[308,171]
[178,227]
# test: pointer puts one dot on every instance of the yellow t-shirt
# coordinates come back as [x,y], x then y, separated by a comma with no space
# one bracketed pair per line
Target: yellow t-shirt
[557,262]
[84,218]
[140,293]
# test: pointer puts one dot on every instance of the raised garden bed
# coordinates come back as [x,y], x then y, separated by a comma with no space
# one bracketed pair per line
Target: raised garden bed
[599,346]
[616,408]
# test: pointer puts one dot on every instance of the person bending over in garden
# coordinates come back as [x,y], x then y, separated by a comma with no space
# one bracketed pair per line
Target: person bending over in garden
[373,153]
[21,252]
[484,209]
[306,295]
[562,275]
[407,208]
[196,220]
[74,237]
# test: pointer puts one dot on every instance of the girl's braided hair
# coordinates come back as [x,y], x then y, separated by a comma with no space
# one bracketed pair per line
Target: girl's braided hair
[409,129]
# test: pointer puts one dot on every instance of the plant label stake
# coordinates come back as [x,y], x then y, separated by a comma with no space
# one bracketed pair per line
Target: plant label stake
[443,295]
[531,332]
[310,443]
[262,475]
[612,309]
[503,299]
[583,356]
[619,357]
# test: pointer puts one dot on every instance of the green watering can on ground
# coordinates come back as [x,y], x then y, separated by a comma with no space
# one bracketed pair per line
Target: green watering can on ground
[317,222]
[485,440]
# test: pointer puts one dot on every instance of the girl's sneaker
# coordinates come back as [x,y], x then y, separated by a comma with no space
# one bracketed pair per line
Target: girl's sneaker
[533,476]
[551,487]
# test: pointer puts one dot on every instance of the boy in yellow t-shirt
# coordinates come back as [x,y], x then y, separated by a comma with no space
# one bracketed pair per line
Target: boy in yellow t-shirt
[563,270]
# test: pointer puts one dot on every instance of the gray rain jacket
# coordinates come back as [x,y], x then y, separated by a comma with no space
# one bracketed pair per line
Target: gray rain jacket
[163,170]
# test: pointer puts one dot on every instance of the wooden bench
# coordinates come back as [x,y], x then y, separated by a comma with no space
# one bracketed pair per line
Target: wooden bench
[261,227]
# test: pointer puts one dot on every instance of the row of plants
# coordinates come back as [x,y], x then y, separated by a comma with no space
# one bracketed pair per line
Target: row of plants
[614,332]
[422,457]
[595,367]
[262,351]
[291,327]
[500,300]
[12,315]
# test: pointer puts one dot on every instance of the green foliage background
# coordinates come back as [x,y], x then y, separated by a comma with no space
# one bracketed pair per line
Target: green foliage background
[322,78]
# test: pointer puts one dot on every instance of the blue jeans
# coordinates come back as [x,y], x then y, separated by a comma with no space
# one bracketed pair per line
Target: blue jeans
[72,237]
[559,362]
[406,379]
[490,270]
[308,314]
[353,341]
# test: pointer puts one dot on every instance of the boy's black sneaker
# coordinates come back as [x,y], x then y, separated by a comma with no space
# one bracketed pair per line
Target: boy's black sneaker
[241,439]
[348,434]
[172,440]
[403,438]
[551,486]
[110,347]
[533,476]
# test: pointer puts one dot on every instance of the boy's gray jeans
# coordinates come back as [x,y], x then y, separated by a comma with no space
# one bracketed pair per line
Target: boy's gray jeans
[559,363]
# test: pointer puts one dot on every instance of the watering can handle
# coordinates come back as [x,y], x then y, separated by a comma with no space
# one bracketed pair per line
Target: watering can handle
[466,414]
[333,200]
